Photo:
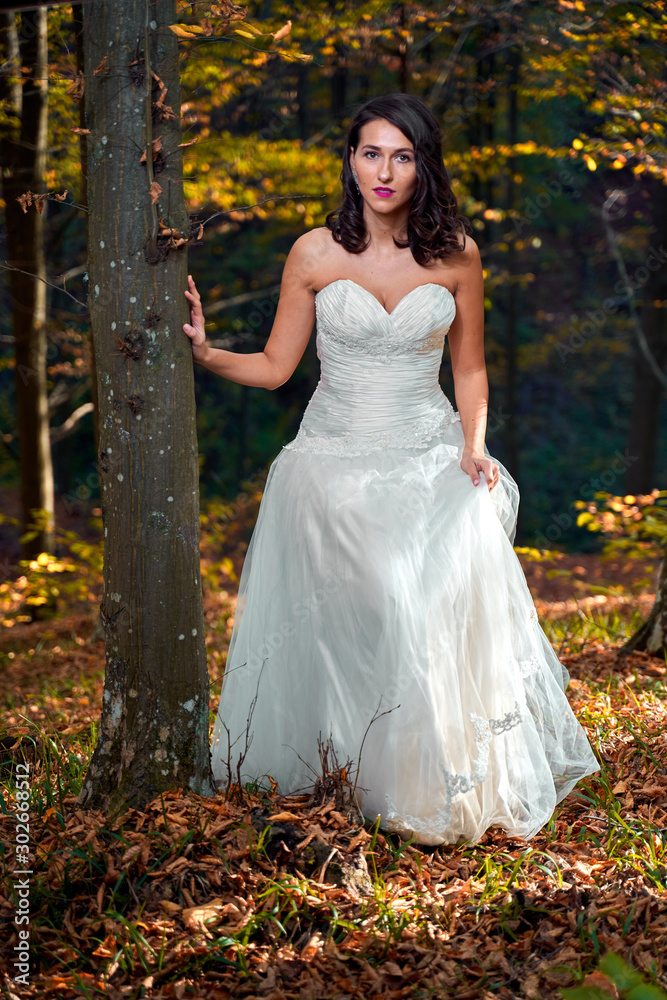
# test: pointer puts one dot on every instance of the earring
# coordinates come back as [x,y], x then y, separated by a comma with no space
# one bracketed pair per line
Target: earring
[356,182]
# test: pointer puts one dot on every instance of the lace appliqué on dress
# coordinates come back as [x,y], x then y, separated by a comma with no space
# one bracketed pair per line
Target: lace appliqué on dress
[385,347]
[456,784]
[415,435]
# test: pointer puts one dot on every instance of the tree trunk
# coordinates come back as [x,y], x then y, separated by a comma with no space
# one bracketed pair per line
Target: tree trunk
[645,416]
[303,100]
[154,732]
[648,392]
[24,166]
[512,436]
[402,52]
[77,19]
[652,636]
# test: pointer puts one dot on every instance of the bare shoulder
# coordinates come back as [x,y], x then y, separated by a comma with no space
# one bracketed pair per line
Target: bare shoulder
[470,252]
[309,253]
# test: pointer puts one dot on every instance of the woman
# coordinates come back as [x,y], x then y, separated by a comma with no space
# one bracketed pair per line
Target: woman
[381,605]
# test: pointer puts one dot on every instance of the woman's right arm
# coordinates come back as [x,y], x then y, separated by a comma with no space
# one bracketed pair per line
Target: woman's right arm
[290,333]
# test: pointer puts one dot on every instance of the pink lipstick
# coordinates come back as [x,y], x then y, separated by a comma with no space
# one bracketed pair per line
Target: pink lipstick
[383,192]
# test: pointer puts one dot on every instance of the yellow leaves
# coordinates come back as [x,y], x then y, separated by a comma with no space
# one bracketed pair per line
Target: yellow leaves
[186,30]
[577,144]
[265,40]
[261,39]
[590,162]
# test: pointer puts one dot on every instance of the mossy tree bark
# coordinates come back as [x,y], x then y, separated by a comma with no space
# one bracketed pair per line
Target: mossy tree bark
[154,732]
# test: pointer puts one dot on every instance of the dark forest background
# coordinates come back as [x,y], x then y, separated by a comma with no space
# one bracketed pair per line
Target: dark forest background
[553,118]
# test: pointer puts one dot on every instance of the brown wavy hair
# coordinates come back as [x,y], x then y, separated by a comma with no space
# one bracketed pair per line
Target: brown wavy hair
[433,221]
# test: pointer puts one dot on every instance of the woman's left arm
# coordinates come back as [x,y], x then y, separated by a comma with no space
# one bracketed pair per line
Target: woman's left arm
[466,344]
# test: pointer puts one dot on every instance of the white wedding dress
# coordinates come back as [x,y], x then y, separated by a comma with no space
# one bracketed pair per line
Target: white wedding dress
[381,601]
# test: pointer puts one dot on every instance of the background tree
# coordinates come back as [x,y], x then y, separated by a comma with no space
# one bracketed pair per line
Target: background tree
[23,155]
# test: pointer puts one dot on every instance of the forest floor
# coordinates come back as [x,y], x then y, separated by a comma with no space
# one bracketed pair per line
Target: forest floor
[259,895]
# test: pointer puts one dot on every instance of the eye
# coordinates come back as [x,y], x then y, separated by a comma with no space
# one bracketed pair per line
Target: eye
[406,156]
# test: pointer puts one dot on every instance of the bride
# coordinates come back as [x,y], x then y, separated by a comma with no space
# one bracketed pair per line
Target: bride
[381,606]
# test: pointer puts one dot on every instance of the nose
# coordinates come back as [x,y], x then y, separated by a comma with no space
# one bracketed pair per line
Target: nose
[384,173]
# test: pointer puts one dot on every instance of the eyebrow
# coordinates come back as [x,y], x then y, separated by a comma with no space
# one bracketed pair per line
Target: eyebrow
[401,149]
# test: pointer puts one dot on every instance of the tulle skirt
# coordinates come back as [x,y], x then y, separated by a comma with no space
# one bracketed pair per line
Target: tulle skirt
[382,608]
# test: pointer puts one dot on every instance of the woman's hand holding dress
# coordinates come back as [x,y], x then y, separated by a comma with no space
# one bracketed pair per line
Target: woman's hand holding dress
[474,464]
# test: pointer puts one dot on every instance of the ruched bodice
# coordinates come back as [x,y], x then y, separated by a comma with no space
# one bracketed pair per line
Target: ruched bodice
[379,384]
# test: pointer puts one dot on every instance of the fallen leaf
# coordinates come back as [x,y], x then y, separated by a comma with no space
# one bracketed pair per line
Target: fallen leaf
[107,948]
[599,981]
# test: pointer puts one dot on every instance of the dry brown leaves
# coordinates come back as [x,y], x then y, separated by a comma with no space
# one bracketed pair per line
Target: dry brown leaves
[30,198]
[193,881]
[165,110]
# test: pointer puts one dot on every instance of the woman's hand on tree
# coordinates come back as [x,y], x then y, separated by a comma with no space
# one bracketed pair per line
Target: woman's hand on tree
[472,465]
[195,328]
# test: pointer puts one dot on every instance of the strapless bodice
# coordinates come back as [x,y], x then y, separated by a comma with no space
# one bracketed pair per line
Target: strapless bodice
[378,385]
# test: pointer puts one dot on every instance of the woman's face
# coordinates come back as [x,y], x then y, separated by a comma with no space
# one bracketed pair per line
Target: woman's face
[384,163]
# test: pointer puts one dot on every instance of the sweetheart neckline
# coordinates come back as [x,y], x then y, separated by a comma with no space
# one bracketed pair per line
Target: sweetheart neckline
[407,294]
